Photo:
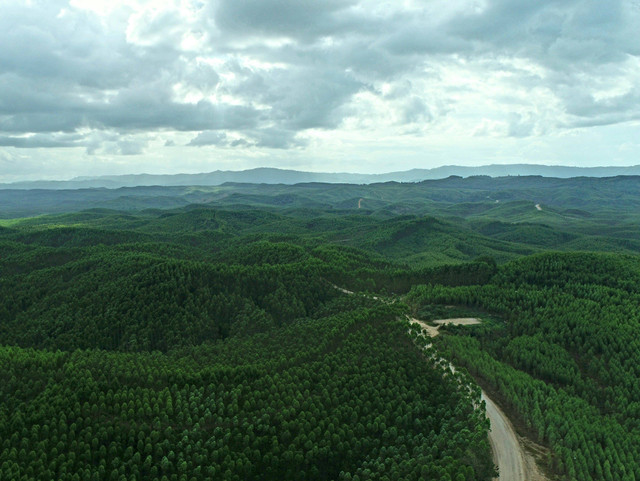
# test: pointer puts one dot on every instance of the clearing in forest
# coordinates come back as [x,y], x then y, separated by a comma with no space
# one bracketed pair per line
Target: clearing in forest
[458,321]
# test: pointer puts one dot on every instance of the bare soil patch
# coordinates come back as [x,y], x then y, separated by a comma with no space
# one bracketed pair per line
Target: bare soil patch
[459,321]
[433,331]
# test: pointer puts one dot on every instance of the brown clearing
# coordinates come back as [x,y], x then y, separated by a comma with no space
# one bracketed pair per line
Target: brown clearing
[458,321]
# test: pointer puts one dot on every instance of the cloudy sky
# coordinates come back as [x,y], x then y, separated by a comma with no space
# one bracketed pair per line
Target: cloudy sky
[106,87]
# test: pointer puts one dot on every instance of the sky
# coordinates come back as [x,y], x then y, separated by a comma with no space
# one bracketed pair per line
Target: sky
[108,87]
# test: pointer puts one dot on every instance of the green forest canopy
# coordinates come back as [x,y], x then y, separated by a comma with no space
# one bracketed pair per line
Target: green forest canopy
[206,341]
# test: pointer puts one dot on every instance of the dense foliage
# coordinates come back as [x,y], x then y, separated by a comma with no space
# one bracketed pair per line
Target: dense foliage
[566,360]
[345,397]
[178,341]
[201,344]
[134,301]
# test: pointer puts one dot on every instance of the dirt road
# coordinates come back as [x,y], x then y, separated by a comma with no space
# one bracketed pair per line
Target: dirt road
[514,463]
[507,453]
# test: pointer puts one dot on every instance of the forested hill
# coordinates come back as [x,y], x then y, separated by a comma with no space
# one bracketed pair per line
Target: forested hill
[213,344]
[466,218]
[108,280]
[565,360]
[219,340]
[576,197]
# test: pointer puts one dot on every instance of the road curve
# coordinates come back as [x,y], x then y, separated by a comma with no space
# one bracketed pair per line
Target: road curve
[508,454]
[507,451]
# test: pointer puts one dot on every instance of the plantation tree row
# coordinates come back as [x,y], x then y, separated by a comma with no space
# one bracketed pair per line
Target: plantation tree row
[344,397]
[567,358]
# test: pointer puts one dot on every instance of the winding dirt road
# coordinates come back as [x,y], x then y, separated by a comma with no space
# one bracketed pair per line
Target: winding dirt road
[514,463]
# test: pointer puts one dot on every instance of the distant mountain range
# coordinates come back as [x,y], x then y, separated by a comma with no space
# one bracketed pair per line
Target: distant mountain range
[266,175]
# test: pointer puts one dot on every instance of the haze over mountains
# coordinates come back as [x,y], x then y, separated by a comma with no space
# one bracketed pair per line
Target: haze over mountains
[590,195]
[267,175]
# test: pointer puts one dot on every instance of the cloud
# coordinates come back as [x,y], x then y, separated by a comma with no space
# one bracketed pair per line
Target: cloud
[415,110]
[209,137]
[111,78]
[564,35]
[275,138]
[520,126]
[272,138]
[125,147]
[304,21]
[41,141]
